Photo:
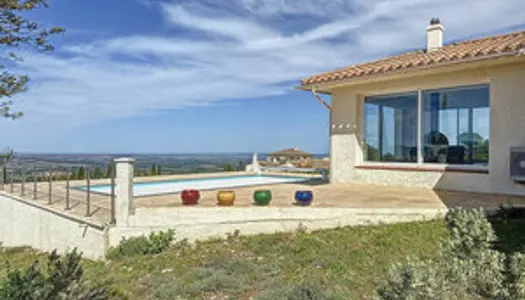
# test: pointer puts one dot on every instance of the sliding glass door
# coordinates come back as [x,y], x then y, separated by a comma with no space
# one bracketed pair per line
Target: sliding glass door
[454,126]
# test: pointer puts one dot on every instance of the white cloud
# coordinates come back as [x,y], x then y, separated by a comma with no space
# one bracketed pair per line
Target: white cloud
[294,7]
[233,27]
[243,51]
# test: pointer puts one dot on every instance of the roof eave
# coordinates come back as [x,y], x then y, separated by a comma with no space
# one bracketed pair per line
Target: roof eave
[309,89]
[326,86]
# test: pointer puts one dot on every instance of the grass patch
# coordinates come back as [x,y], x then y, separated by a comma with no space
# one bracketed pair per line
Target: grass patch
[343,263]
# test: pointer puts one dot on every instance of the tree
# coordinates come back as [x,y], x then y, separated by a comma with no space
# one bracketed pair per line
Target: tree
[473,138]
[153,170]
[436,138]
[97,173]
[108,171]
[478,147]
[81,173]
[241,166]
[228,168]
[159,170]
[16,32]
[372,153]
[4,159]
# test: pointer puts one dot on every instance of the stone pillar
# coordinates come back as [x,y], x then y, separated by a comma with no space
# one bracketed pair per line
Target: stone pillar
[123,190]
[345,130]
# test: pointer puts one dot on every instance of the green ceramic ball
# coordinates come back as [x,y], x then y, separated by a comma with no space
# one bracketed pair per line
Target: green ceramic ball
[262,197]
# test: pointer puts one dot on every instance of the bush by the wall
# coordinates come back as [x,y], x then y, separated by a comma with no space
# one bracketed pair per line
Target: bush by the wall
[61,280]
[155,243]
[468,268]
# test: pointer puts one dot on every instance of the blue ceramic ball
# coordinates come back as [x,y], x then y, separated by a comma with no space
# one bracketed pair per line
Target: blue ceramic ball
[304,197]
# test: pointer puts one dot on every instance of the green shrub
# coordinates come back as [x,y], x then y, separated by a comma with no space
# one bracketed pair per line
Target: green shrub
[468,268]
[470,233]
[414,280]
[63,279]
[306,290]
[155,243]
[516,273]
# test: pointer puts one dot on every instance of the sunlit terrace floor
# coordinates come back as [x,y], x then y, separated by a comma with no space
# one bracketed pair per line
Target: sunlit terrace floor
[351,195]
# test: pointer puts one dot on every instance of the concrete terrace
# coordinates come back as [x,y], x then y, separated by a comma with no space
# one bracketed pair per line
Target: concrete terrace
[347,195]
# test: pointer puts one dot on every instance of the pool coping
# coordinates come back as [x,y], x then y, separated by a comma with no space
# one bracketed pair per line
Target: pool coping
[306,179]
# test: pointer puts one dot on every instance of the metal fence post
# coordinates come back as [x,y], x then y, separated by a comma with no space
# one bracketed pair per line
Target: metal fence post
[35,184]
[67,190]
[50,179]
[88,195]
[11,188]
[112,200]
[22,182]
[2,178]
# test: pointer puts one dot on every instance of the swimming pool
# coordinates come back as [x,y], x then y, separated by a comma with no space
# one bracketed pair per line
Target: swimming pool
[209,183]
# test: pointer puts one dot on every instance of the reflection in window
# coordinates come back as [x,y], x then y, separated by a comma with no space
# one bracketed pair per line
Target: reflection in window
[456,125]
[391,128]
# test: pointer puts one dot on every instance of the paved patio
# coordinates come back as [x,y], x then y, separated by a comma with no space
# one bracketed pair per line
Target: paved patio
[349,195]
[352,195]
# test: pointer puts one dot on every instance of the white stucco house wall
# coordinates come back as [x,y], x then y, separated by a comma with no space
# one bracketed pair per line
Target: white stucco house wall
[443,117]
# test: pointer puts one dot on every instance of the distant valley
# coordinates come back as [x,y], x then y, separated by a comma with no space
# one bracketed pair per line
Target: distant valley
[165,164]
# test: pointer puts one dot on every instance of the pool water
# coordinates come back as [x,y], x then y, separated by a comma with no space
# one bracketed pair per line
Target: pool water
[209,183]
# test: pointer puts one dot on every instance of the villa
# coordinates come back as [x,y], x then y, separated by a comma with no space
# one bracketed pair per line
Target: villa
[448,117]
[289,156]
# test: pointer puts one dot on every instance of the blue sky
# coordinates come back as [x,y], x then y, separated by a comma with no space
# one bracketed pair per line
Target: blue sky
[213,76]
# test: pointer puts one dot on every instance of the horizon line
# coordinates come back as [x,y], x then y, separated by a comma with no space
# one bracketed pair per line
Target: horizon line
[147,153]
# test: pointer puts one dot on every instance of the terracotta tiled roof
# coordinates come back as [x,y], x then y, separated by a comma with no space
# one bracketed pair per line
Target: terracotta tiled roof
[511,43]
[290,151]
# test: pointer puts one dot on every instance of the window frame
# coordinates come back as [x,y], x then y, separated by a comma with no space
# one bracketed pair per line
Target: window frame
[420,165]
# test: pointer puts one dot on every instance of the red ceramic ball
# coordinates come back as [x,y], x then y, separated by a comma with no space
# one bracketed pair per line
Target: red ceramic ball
[190,197]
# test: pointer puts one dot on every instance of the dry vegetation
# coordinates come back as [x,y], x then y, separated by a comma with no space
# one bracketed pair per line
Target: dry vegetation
[343,263]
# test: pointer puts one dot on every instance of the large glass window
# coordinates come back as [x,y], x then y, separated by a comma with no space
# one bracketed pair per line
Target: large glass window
[456,125]
[391,128]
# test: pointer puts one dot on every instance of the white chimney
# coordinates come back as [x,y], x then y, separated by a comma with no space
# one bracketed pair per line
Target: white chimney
[435,35]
